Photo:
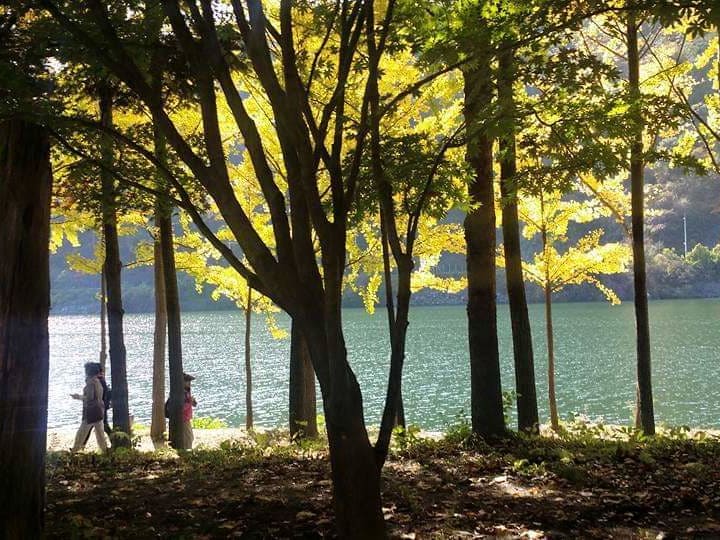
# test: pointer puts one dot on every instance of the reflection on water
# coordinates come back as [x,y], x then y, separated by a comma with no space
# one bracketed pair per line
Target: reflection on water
[595,351]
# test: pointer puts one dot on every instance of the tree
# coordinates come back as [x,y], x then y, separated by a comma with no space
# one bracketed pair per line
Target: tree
[520,321]
[157,422]
[647,109]
[407,180]
[302,413]
[549,215]
[488,419]
[293,279]
[646,415]
[25,186]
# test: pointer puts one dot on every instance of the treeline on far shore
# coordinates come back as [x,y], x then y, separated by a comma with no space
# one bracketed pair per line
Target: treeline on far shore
[671,275]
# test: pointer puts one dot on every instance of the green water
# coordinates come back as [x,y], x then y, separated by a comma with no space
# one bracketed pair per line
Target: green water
[595,359]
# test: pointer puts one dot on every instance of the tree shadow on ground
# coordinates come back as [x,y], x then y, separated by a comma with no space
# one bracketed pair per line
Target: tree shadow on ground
[534,488]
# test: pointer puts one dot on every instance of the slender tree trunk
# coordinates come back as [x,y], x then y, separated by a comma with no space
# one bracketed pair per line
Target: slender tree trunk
[248,367]
[103,320]
[637,181]
[25,186]
[554,420]
[303,408]
[398,321]
[485,384]
[157,425]
[390,306]
[520,321]
[112,269]
[397,359]
[175,361]
[400,411]
[154,17]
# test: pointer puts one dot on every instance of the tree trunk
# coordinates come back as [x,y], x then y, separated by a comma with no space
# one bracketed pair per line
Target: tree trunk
[390,307]
[393,397]
[637,181]
[157,425]
[25,186]
[400,411]
[355,474]
[485,384]
[303,408]
[520,321]
[103,321]
[554,420]
[112,269]
[175,361]
[248,367]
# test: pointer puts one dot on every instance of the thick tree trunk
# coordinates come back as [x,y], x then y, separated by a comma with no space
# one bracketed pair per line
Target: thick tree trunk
[303,407]
[520,321]
[637,181]
[485,384]
[248,367]
[25,186]
[157,424]
[112,269]
[175,361]
[355,474]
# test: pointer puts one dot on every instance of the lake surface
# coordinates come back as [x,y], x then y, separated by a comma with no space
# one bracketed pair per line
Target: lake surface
[595,350]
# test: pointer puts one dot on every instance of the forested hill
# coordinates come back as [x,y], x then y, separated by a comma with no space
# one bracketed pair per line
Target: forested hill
[671,197]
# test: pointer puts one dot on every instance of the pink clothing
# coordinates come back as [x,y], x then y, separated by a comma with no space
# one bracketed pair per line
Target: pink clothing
[187,407]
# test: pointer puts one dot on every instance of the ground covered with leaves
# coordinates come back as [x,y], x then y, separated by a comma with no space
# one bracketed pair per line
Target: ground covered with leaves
[591,483]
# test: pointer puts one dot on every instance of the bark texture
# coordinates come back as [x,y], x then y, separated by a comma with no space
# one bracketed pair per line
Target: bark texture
[303,407]
[554,419]
[355,474]
[112,268]
[520,321]
[25,187]
[248,368]
[398,335]
[157,423]
[637,184]
[485,384]
[175,364]
[103,321]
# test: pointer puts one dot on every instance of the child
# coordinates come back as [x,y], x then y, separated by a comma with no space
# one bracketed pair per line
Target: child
[188,405]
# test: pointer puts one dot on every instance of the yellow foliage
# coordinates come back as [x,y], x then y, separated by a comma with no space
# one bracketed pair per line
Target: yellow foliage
[549,216]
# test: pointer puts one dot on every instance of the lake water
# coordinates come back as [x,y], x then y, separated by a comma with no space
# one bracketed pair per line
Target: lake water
[595,351]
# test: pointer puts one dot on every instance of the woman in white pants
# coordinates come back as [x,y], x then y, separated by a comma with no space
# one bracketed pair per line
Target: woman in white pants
[93,409]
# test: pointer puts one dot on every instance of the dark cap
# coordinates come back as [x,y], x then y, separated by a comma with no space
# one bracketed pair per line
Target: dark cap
[188,377]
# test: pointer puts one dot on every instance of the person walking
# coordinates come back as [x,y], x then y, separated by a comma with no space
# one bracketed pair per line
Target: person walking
[93,409]
[107,402]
